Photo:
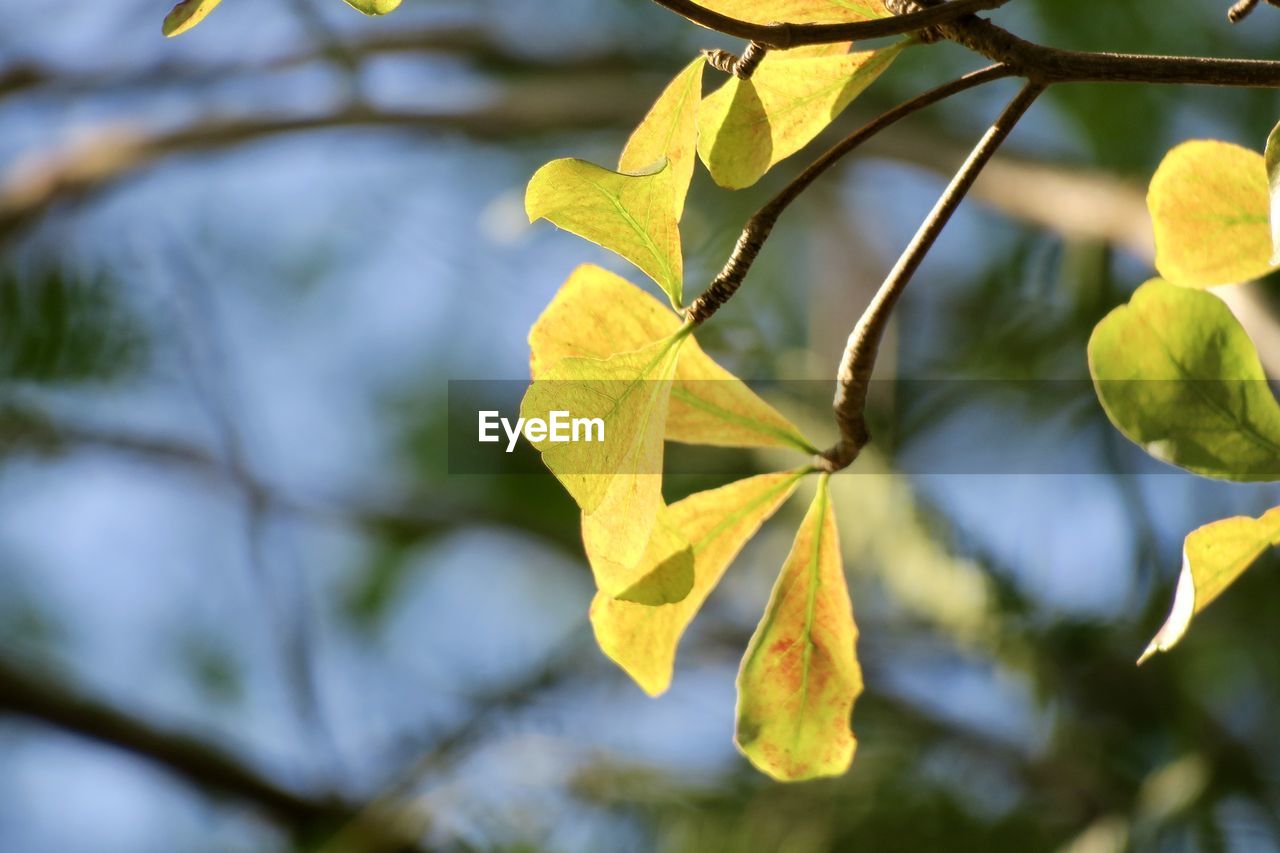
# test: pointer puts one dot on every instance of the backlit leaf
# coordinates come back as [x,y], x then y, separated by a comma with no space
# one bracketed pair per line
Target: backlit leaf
[1209,206]
[1213,557]
[186,15]
[747,126]
[596,314]
[1177,374]
[718,523]
[669,131]
[635,211]
[616,482]
[374,7]
[799,11]
[1272,161]
[800,676]
[663,575]
[627,214]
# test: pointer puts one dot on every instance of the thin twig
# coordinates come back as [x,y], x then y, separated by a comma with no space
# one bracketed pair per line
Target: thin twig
[760,225]
[741,67]
[860,353]
[786,35]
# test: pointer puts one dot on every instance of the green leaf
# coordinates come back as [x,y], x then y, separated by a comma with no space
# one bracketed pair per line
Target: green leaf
[374,7]
[1213,557]
[1209,206]
[597,314]
[643,640]
[747,126]
[800,676]
[186,15]
[799,11]
[617,482]
[635,211]
[1177,375]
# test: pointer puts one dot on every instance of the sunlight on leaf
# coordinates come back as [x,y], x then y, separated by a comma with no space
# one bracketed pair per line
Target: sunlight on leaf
[748,126]
[799,11]
[374,7]
[800,676]
[626,214]
[1272,161]
[635,211]
[669,131]
[596,314]
[663,575]
[1178,376]
[186,15]
[616,482]
[1213,557]
[718,523]
[1209,207]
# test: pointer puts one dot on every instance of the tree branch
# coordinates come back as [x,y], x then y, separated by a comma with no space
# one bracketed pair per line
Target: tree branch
[761,224]
[198,762]
[860,353]
[785,35]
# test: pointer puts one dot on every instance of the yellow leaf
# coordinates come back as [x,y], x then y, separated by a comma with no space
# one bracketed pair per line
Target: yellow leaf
[799,11]
[643,640]
[747,126]
[1213,557]
[374,7]
[1209,205]
[669,131]
[186,15]
[800,676]
[618,481]
[663,575]
[597,314]
[635,211]
[626,214]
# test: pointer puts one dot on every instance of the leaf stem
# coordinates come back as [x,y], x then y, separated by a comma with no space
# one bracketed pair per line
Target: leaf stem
[859,359]
[761,224]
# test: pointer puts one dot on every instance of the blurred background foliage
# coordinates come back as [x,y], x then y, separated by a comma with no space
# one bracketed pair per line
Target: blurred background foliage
[244,604]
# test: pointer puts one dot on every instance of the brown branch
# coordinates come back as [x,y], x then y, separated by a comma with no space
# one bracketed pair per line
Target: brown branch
[785,35]
[859,358]
[761,224]
[206,766]
[741,67]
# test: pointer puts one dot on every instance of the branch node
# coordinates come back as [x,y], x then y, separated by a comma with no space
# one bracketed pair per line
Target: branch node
[741,67]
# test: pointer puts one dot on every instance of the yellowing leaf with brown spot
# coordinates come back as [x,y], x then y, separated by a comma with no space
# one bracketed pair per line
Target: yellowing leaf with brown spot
[1213,557]
[1209,204]
[748,126]
[635,211]
[800,676]
[717,524]
[186,15]
[670,132]
[799,11]
[596,314]
[617,482]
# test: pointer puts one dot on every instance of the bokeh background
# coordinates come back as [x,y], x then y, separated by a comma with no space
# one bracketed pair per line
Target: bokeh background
[245,606]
